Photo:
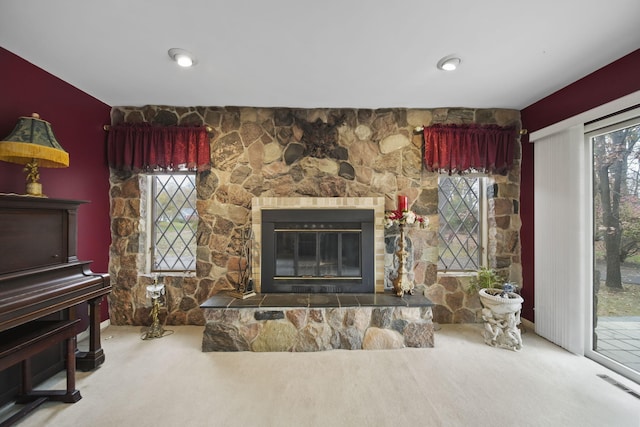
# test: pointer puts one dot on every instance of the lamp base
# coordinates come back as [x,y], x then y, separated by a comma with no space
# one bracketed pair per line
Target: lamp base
[34,189]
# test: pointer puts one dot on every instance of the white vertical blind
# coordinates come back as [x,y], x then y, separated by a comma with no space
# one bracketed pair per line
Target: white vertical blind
[563,246]
[562,237]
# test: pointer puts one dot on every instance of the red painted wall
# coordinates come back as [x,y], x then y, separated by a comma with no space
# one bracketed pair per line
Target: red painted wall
[77,120]
[611,82]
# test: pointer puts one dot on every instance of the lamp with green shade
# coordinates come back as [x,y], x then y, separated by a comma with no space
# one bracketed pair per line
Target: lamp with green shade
[32,144]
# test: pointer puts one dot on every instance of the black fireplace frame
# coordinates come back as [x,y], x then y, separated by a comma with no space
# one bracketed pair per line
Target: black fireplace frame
[272,219]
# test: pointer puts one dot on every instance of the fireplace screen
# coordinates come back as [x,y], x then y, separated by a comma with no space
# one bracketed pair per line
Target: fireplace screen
[317,250]
[318,253]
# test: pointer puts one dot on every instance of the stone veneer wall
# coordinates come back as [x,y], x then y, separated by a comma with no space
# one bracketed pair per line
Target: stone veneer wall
[256,152]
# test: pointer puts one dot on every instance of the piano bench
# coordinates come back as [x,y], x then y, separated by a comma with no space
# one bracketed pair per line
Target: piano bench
[19,344]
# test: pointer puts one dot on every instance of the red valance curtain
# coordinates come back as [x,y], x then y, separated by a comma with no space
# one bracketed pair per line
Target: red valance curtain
[145,147]
[469,148]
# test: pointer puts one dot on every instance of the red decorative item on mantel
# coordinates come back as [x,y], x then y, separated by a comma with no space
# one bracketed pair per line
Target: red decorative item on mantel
[403,203]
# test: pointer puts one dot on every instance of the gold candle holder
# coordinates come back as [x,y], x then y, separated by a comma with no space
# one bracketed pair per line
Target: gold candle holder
[402,284]
[155,292]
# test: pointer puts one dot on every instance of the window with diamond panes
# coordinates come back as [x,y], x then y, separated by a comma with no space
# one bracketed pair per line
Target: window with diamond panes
[174,222]
[460,210]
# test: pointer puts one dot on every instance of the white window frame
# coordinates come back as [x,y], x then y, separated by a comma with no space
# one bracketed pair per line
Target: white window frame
[591,130]
[147,224]
[485,180]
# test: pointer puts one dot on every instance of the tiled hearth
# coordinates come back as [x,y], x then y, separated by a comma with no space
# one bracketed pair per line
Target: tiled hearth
[317,322]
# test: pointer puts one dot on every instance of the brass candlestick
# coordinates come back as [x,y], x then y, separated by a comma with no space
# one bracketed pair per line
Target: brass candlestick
[154,292]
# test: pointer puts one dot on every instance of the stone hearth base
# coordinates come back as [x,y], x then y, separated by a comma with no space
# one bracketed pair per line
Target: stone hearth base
[317,322]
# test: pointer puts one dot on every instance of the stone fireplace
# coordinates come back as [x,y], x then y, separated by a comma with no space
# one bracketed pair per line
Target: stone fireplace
[312,298]
[318,245]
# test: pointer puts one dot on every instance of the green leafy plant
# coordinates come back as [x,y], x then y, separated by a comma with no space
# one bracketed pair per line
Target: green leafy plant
[485,278]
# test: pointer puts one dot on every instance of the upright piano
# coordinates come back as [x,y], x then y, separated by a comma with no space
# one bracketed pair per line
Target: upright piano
[41,276]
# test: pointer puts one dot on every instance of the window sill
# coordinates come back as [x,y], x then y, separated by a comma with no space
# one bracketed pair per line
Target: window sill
[172,273]
[456,273]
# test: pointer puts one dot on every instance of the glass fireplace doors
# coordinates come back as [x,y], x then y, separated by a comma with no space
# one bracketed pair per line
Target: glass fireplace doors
[317,250]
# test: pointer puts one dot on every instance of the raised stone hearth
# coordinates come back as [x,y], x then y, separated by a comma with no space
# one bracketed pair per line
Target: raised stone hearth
[317,322]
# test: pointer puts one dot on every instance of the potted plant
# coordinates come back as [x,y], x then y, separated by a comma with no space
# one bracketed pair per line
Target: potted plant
[486,278]
[501,312]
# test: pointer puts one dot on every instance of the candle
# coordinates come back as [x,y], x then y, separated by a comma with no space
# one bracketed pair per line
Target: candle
[403,204]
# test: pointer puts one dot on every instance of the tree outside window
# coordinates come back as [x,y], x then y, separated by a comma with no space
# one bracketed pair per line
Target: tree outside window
[460,206]
[173,222]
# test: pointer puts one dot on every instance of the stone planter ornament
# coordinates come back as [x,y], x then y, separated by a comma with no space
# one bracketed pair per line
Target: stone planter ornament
[501,315]
[402,217]
[501,312]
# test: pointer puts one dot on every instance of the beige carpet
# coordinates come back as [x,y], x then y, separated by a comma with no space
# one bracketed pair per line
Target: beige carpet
[461,382]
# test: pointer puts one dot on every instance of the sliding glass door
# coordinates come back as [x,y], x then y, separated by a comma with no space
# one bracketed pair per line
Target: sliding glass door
[615,320]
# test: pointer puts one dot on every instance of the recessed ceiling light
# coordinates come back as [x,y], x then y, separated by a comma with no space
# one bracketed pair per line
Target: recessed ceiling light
[182,57]
[449,63]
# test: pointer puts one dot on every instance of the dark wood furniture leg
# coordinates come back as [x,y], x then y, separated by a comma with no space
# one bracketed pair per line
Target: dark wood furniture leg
[89,360]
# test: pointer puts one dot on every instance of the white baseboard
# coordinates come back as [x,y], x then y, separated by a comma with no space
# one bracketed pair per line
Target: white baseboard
[528,325]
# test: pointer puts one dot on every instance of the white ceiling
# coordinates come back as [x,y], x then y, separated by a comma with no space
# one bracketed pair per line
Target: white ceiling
[331,53]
